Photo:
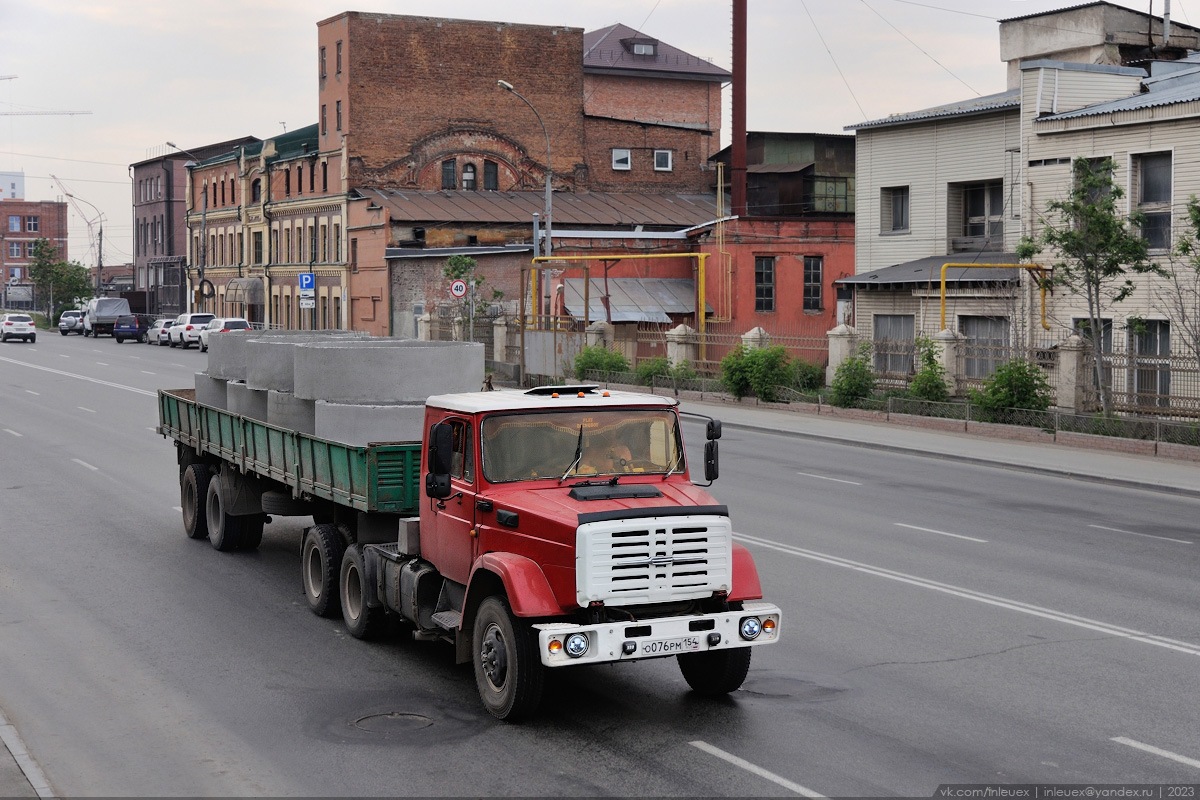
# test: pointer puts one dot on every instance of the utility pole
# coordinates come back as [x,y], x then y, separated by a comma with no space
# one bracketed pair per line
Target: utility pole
[99,257]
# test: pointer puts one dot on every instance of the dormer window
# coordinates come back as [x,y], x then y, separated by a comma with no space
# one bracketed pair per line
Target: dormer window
[643,49]
[641,46]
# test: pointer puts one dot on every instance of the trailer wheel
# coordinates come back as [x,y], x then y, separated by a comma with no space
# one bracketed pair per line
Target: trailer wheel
[320,559]
[225,531]
[252,531]
[281,504]
[508,672]
[193,493]
[715,673]
[362,621]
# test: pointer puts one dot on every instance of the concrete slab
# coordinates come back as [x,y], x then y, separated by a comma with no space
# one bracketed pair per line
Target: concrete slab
[360,425]
[248,402]
[211,391]
[288,411]
[227,351]
[386,371]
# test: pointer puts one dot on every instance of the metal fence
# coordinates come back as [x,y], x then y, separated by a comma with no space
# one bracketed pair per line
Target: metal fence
[713,346]
[1160,385]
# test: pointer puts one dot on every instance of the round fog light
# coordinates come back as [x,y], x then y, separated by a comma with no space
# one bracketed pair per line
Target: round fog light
[555,647]
[577,645]
[750,628]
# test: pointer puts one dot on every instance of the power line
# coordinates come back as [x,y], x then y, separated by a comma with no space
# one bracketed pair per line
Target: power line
[81,180]
[56,158]
[914,44]
[834,60]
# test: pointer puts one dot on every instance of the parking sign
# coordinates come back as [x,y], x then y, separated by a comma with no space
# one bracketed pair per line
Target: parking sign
[308,280]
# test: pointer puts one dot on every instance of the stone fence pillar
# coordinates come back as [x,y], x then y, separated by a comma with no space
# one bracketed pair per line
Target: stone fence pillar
[423,327]
[599,334]
[682,345]
[500,339]
[948,343]
[1072,374]
[843,342]
[756,339]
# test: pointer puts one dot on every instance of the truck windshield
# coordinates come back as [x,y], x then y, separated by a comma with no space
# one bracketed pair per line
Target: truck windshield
[522,447]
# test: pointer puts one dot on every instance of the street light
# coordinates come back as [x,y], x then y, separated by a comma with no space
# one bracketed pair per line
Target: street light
[203,225]
[508,87]
[100,239]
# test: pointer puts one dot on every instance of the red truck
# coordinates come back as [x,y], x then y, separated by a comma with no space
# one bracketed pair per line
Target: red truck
[557,526]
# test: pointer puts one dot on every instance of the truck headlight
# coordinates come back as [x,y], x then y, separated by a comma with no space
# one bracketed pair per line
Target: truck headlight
[750,628]
[577,645]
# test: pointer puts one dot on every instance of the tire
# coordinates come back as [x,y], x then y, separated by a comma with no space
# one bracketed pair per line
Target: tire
[33,338]
[713,674]
[120,339]
[362,620]
[3,337]
[193,491]
[64,333]
[508,673]
[172,343]
[226,532]
[281,504]
[320,562]
[252,531]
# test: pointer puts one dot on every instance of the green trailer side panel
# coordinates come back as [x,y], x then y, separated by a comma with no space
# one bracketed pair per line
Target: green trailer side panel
[381,478]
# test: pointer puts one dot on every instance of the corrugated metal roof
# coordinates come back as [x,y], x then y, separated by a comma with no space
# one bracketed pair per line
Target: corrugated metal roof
[632,299]
[976,105]
[929,271]
[603,49]
[610,209]
[443,252]
[778,168]
[1166,91]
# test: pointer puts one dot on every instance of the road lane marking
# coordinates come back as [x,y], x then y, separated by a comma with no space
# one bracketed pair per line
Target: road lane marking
[30,391]
[1191,762]
[101,363]
[754,768]
[80,377]
[177,508]
[33,773]
[941,533]
[89,410]
[824,478]
[980,597]
[148,372]
[1135,533]
[85,464]
[10,430]
[63,355]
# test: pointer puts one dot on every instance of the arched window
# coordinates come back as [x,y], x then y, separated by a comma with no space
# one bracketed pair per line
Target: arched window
[468,177]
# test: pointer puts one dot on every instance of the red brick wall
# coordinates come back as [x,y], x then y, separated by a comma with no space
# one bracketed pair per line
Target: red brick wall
[52,226]
[689,150]
[655,100]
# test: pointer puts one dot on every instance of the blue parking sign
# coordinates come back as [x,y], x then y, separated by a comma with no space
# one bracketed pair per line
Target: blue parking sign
[307,280]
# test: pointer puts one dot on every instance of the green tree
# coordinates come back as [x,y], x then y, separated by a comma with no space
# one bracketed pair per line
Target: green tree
[929,383]
[58,283]
[1015,384]
[1179,296]
[1096,250]
[854,379]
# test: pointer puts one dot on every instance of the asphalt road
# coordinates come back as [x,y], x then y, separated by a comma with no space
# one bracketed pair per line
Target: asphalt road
[945,623]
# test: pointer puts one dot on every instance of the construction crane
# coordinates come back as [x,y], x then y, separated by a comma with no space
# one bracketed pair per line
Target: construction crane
[34,113]
[91,233]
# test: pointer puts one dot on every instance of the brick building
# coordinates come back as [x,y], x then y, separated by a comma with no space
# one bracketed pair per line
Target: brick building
[22,223]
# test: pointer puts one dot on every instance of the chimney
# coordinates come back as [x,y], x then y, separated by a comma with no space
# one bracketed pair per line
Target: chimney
[737,152]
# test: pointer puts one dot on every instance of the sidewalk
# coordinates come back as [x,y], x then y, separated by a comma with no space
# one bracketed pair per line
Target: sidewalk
[18,772]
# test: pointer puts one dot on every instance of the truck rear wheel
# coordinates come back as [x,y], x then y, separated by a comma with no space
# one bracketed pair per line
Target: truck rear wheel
[508,673]
[320,559]
[362,621]
[225,531]
[193,494]
[715,673]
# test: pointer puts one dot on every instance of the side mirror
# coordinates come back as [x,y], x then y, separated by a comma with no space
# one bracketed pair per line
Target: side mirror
[713,430]
[712,468]
[441,443]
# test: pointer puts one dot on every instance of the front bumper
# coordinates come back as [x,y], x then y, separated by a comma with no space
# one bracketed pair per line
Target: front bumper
[656,638]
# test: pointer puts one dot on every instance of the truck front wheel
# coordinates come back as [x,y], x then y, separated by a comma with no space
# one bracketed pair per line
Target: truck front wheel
[362,621]
[320,558]
[715,673]
[508,673]
[193,491]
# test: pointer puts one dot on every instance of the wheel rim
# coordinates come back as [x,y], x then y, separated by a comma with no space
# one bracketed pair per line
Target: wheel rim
[312,573]
[353,594]
[494,657]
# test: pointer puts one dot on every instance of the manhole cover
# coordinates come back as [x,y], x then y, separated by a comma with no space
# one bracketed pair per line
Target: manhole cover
[395,722]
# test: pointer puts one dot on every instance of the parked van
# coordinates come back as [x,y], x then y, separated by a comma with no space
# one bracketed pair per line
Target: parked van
[101,314]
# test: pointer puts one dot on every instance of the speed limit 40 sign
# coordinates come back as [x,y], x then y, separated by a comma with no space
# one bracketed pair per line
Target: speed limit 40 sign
[458,288]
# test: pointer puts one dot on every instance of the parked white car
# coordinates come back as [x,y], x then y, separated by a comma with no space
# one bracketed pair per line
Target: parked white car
[221,325]
[185,331]
[17,326]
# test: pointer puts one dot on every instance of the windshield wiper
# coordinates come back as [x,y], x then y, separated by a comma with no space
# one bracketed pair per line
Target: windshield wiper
[578,456]
[675,466]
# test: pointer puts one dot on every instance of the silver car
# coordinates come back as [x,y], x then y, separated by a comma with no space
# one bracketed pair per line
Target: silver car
[17,326]
[71,321]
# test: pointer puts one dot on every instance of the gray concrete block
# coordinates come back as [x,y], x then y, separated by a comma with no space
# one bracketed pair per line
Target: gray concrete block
[248,402]
[386,371]
[227,351]
[360,425]
[211,391]
[285,410]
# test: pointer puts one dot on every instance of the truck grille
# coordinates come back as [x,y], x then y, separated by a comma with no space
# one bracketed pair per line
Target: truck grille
[653,559]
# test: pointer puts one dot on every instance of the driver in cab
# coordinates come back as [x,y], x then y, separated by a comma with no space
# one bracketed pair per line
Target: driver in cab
[604,455]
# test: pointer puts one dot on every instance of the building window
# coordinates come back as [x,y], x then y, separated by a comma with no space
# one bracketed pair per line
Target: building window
[31,224]
[287,183]
[312,176]
[643,49]
[312,243]
[299,179]
[14,249]
[764,283]
[222,191]
[324,176]
[814,269]
[256,191]
[338,61]
[339,114]
[986,344]
[449,174]
[983,211]
[1152,362]
[287,245]
[323,72]
[469,177]
[324,244]
[827,194]
[258,247]
[491,176]
[337,242]
[662,160]
[1153,175]
[894,343]
[893,209]
[354,255]
[14,224]
[621,159]
[324,120]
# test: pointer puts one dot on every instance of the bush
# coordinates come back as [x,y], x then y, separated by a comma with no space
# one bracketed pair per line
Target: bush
[1016,384]
[599,359]
[930,381]
[854,379]
[807,377]
[683,372]
[651,368]
[758,372]
[735,373]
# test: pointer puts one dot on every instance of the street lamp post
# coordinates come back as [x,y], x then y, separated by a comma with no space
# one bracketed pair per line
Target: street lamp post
[203,225]
[508,87]
[99,241]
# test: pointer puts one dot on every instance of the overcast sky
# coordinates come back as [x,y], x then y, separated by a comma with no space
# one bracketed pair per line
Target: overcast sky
[196,73]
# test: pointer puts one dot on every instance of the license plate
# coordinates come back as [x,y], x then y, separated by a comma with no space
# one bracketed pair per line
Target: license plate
[666,647]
